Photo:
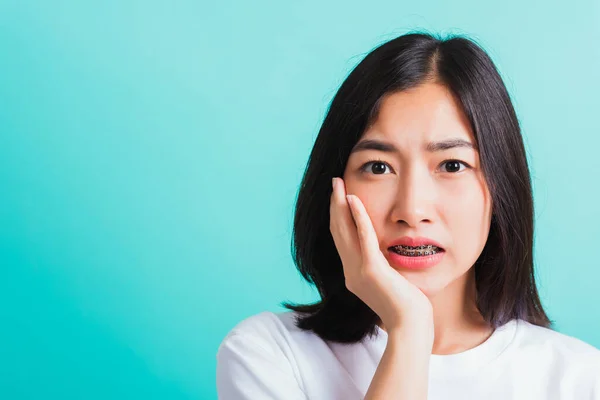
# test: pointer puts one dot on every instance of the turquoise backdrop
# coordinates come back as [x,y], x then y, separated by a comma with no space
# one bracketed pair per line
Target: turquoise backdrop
[150,152]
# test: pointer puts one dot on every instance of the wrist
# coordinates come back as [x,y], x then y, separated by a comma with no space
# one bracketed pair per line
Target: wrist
[419,338]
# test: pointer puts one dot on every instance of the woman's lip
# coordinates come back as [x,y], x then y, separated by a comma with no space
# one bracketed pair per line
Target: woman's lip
[420,262]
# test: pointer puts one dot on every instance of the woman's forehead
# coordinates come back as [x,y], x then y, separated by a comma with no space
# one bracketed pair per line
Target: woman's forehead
[425,113]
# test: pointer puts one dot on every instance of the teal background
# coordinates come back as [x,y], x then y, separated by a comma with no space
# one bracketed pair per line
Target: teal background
[150,154]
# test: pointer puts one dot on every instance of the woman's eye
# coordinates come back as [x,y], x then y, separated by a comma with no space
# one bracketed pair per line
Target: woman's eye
[453,166]
[377,167]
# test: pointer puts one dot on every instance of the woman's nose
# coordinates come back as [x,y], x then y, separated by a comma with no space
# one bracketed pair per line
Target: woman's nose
[413,202]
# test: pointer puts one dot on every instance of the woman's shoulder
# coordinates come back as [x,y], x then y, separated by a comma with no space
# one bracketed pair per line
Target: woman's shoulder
[256,356]
[266,324]
[270,330]
[562,347]
[540,335]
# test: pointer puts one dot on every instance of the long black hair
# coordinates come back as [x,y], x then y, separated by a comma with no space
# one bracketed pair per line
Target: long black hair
[504,272]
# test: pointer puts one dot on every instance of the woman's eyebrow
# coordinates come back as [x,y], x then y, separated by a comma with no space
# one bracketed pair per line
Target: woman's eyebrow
[386,147]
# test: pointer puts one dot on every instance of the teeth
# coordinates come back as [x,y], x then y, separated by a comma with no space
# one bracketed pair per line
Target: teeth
[424,247]
[424,250]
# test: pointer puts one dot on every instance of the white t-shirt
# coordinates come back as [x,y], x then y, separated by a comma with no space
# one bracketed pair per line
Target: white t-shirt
[266,356]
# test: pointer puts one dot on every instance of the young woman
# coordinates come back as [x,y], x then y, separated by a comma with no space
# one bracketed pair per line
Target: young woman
[421,249]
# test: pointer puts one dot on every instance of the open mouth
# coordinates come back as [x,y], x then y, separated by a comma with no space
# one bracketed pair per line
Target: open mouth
[416,251]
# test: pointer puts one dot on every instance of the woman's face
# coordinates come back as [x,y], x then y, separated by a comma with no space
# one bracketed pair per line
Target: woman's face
[439,193]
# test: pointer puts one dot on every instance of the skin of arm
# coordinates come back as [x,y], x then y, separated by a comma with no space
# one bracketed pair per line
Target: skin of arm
[403,372]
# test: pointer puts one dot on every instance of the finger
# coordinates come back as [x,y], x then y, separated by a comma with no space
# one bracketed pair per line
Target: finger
[342,224]
[367,237]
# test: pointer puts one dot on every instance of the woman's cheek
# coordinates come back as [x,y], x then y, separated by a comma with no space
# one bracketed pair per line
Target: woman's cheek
[376,209]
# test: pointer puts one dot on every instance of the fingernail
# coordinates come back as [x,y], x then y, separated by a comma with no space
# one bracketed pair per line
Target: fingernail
[349,198]
[333,183]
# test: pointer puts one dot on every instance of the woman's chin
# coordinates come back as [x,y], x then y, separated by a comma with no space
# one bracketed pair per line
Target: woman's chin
[430,289]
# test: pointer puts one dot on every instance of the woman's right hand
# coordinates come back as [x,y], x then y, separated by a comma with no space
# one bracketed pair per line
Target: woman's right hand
[400,305]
